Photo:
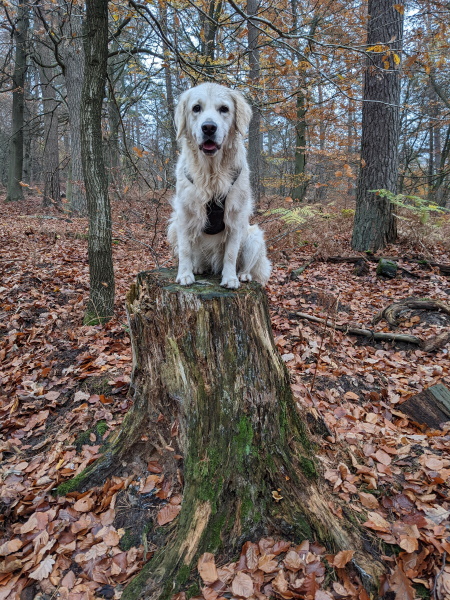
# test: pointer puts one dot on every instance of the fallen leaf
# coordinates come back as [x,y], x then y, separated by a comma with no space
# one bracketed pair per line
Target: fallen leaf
[44,569]
[207,568]
[342,558]
[242,585]
[167,514]
[10,547]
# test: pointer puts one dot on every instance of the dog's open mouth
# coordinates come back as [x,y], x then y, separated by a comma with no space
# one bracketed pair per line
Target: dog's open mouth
[209,147]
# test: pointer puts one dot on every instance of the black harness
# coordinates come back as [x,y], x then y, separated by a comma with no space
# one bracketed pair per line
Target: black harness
[215,209]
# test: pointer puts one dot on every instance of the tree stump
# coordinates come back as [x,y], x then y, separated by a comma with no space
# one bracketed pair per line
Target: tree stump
[209,386]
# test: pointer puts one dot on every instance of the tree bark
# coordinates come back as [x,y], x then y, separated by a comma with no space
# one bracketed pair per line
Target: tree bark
[73,57]
[300,178]
[52,190]
[15,191]
[211,388]
[375,224]
[101,273]
[254,130]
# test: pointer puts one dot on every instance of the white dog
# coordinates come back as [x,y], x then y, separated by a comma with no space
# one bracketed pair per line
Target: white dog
[209,228]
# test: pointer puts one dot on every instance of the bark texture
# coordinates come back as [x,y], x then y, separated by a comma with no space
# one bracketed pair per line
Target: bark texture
[254,130]
[73,57]
[210,387]
[15,191]
[375,224]
[101,294]
[52,190]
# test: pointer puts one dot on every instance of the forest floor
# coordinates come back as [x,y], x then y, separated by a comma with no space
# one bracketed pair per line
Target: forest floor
[63,390]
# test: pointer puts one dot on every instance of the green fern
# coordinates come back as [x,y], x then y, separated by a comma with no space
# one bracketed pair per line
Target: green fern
[300,214]
[413,204]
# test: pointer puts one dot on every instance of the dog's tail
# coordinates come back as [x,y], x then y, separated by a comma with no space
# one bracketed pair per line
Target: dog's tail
[254,258]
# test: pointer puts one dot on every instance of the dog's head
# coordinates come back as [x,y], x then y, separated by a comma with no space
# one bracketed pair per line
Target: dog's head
[210,114]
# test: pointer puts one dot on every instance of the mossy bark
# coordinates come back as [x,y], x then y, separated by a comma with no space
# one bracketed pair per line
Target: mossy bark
[210,386]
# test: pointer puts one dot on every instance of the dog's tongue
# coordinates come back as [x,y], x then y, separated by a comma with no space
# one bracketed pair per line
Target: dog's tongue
[209,145]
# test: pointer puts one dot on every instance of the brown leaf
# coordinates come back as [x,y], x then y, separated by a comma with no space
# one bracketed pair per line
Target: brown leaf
[368,500]
[266,563]
[84,504]
[68,580]
[167,514]
[383,457]
[207,568]
[342,558]
[401,585]
[251,555]
[280,584]
[292,561]
[10,547]
[242,585]
[377,522]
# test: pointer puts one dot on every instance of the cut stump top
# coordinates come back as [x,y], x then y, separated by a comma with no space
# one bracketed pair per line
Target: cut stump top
[205,286]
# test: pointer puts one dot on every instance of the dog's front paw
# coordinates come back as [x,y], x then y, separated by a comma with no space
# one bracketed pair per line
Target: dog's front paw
[245,277]
[232,283]
[185,278]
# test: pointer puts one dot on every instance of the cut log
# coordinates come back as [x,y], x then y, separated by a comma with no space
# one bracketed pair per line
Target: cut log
[212,396]
[431,407]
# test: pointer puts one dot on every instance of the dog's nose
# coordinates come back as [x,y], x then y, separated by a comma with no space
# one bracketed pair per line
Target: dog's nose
[209,128]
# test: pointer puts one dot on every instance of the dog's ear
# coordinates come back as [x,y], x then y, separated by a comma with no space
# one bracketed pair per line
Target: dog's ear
[180,115]
[243,112]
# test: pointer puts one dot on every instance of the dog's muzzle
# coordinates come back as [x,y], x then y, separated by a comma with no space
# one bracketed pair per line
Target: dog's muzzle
[209,145]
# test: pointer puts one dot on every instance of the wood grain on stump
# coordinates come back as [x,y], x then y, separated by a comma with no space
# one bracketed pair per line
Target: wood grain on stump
[212,396]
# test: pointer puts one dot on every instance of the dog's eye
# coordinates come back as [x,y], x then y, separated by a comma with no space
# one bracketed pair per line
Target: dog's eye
[197,108]
[224,109]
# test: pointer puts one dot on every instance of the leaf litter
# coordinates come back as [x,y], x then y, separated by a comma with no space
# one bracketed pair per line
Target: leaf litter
[60,379]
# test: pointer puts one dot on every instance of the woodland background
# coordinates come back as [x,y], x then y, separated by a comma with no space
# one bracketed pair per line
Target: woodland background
[63,385]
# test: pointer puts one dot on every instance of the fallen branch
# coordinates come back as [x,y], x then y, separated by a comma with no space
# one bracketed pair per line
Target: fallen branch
[392,313]
[396,337]
[444,268]
[429,345]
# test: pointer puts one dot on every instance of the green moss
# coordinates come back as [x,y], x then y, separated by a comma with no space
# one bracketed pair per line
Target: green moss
[129,540]
[422,591]
[302,529]
[193,590]
[308,467]
[247,505]
[71,485]
[242,443]
[84,438]
[213,534]
[133,590]
[102,427]
[183,575]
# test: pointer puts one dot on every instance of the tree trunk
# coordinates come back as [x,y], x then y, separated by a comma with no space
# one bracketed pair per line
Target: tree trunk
[254,130]
[170,103]
[375,224]
[73,56]
[52,191]
[300,179]
[211,388]
[15,191]
[101,296]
